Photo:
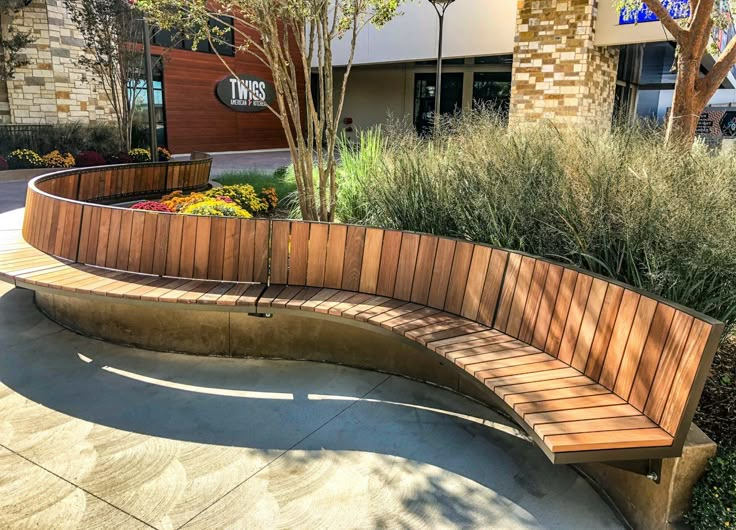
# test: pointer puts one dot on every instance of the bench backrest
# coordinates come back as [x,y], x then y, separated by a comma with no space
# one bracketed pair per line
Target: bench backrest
[455,276]
[648,351]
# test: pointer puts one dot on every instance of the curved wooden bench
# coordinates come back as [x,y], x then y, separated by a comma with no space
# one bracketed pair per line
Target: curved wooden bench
[592,369]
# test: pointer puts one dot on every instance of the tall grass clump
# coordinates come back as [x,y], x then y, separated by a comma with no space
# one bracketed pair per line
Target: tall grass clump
[618,203]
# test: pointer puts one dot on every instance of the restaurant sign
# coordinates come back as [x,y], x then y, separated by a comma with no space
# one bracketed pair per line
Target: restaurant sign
[246,93]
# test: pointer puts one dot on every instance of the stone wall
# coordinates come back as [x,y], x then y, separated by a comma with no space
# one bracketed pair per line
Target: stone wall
[558,73]
[53,87]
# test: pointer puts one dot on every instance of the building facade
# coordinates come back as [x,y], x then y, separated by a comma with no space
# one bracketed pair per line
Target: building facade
[572,62]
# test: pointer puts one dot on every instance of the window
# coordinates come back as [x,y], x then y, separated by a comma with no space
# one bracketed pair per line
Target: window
[169,39]
[451,100]
[492,89]
[137,91]
[494,59]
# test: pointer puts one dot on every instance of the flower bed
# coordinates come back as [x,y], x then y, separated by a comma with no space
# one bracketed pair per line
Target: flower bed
[29,159]
[240,200]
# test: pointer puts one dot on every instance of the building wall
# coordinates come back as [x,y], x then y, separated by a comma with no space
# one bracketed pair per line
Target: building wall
[559,74]
[196,120]
[53,87]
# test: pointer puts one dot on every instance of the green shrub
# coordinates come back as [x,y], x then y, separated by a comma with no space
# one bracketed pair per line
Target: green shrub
[618,203]
[24,159]
[714,496]
[241,194]
[259,180]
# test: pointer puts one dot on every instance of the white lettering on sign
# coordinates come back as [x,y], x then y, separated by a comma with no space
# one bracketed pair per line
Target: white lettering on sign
[247,92]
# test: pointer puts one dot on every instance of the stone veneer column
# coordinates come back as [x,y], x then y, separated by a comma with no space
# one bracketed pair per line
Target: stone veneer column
[53,87]
[558,73]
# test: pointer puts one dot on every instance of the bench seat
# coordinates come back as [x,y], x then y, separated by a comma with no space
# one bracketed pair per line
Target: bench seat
[566,409]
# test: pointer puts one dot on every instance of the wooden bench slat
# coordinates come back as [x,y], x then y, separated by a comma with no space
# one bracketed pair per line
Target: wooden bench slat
[468,327]
[333,301]
[588,326]
[509,344]
[591,389]
[559,416]
[476,279]
[408,318]
[597,441]
[441,273]
[499,357]
[456,341]
[571,403]
[472,341]
[602,425]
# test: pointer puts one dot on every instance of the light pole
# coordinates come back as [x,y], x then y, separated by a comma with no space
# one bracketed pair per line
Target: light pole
[440,6]
[153,140]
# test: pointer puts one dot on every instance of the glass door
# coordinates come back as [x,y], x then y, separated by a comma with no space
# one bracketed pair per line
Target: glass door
[451,100]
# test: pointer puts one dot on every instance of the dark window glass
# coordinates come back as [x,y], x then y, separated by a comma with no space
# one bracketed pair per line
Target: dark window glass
[424,96]
[445,62]
[492,89]
[494,59]
[226,24]
[138,92]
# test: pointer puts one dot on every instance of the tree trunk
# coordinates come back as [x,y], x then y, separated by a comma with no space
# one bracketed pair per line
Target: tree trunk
[686,105]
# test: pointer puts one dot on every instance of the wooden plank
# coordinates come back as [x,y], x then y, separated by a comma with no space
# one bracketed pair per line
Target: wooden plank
[521,294]
[570,403]
[459,277]
[464,329]
[302,297]
[430,325]
[161,244]
[541,366]
[261,250]
[231,253]
[562,373]
[333,301]
[354,300]
[217,249]
[457,342]
[607,424]
[406,266]
[476,279]
[246,251]
[423,270]
[285,296]
[501,357]
[371,260]
[364,306]
[272,292]
[505,392]
[685,376]
[113,244]
[547,305]
[559,416]
[322,296]
[507,295]
[103,235]
[174,246]
[188,246]
[575,318]
[148,246]
[534,300]
[668,364]
[410,317]
[335,256]
[280,252]
[378,309]
[635,346]
[441,273]
[202,246]
[492,287]
[231,296]
[561,311]
[488,347]
[298,254]
[250,297]
[589,324]
[353,258]
[317,255]
[136,241]
[389,263]
[218,290]
[617,346]
[650,357]
[403,309]
[597,441]
[604,331]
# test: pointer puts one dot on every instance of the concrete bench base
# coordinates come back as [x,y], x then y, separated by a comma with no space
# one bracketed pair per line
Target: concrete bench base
[650,506]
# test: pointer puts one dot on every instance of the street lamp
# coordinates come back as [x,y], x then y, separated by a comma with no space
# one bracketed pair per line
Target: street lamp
[440,6]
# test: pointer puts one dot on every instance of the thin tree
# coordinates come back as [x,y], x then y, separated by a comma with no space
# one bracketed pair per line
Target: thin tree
[111,32]
[693,37]
[294,39]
